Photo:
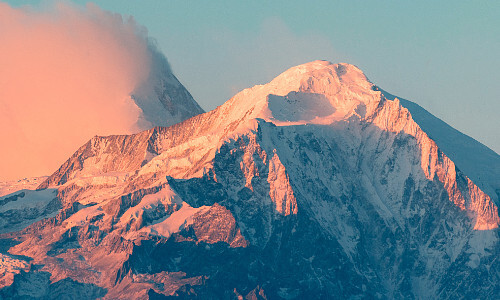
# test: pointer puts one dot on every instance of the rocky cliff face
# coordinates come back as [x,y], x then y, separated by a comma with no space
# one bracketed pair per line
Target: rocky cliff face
[315,185]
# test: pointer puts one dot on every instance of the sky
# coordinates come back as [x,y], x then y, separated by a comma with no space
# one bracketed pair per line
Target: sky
[443,55]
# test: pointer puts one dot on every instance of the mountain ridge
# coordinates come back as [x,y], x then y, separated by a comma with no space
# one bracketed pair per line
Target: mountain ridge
[311,78]
[251,185]
[454,139]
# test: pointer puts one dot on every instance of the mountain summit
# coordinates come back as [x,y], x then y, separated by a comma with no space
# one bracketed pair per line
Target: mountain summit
[318,184]
[318,92]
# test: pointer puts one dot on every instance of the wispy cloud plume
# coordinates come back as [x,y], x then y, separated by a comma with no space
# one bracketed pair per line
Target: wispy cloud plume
[66,74]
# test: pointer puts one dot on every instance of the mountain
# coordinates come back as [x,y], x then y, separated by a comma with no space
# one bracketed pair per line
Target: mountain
[9,187]
[164,101]
[316,185]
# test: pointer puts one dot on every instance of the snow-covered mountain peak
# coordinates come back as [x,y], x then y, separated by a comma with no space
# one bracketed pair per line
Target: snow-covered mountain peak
[386,193]
[306,77]
[317,92]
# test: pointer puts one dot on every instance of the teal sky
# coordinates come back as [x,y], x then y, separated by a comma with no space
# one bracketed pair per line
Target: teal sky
[443,55]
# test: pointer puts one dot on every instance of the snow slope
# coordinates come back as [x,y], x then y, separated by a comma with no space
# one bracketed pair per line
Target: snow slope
[24,207]
[8,187]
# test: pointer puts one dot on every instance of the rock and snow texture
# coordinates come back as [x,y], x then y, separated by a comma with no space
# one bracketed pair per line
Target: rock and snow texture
[10,266]
[24,207]
[9,187]
[314,185]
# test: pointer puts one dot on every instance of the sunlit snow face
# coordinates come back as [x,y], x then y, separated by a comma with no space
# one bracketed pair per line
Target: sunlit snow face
[66,75]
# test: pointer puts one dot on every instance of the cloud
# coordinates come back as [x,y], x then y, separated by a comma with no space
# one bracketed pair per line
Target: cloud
[66,74]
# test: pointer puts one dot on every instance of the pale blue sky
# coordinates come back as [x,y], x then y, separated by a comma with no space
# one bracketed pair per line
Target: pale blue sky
[443,55]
